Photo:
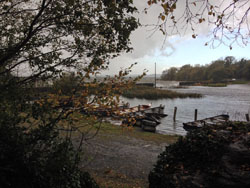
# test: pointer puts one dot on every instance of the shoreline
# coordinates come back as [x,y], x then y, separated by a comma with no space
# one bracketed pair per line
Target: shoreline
[119,156]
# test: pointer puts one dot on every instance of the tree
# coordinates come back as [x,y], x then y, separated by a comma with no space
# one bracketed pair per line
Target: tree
[227,20]
[49,35]
[184,72]
[219,70]
[66,84]
[169,74]
[40,40]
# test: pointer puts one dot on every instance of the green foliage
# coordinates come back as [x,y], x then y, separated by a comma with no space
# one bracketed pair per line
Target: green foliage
[67,84]
[219,70]
[39,159]
[39,41]
[200,152]
[51,36]
[33,154]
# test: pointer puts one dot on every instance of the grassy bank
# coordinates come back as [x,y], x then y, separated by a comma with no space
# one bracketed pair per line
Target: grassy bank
[106,131]
[212,83]
[239,82]
[134,132]
[145,92]
[215,85]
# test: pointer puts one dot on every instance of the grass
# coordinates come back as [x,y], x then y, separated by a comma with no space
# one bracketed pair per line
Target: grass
[145,92]
[239,82]
[215,85]
[112,179]
[135,132]
[107,130]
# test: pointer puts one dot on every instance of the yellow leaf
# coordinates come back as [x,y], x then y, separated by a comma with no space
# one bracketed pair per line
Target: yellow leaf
[162,17]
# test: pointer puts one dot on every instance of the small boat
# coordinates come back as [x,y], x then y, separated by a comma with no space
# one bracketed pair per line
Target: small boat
[146,117]
[132,110]
[207,121]
[148,125]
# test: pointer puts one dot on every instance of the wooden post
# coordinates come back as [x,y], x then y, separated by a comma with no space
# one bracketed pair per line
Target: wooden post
[247,117]
[195,114]
[155,74]
[139,108]
[175,110]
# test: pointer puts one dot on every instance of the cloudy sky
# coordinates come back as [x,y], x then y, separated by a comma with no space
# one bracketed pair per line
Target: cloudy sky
[175,51]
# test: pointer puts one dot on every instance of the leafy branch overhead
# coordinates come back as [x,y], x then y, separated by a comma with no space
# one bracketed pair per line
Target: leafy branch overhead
[227,21]
[48,35]
[40,41]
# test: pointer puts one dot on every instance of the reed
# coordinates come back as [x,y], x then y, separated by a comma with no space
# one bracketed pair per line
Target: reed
[239,82]
[145,92]
[216,85]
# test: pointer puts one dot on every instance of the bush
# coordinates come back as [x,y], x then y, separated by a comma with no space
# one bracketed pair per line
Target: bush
[40,159]
[213,156]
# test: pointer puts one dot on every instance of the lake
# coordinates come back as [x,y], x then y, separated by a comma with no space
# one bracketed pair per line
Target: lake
[233,100]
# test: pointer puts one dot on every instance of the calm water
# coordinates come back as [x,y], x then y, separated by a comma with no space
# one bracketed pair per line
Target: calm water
[233,100]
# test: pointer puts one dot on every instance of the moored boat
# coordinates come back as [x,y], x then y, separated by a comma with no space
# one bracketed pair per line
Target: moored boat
[146,117]
[207,121]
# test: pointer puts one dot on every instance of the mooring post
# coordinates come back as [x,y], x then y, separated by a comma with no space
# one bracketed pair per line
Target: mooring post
[175,110]
[195,114]
[139,108]
[247,117]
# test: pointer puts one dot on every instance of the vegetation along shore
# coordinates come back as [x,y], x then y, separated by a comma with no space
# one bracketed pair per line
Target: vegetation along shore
[146,92]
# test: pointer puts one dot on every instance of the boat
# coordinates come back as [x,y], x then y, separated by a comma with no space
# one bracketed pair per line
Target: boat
[146,117]
[132,110]
[148,125]
[219,119]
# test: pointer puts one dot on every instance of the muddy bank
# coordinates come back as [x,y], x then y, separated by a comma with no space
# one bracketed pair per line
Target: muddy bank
[121,159]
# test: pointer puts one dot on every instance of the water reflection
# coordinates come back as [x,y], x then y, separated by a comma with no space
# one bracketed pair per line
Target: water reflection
[233,100]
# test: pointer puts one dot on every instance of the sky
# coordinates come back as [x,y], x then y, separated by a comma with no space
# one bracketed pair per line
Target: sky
[176,50]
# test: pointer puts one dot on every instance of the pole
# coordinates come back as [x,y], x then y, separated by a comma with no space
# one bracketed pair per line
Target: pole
[247,117]
[195,114]
[175,110]
[155,74]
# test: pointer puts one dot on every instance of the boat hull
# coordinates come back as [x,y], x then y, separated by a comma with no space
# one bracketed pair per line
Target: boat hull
[207,121]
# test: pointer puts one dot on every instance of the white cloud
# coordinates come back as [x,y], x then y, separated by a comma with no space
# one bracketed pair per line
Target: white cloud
[150,47]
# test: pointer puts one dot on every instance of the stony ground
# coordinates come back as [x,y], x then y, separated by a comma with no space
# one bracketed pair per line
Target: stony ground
[121,160]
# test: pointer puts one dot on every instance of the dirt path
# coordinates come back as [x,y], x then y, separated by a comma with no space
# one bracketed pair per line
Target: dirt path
[121,159]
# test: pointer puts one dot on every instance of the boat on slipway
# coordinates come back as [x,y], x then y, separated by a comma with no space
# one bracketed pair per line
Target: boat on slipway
[145,116]
[215,120]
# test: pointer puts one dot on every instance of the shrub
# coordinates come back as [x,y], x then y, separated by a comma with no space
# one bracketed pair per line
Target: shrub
[40,159]
[209,157]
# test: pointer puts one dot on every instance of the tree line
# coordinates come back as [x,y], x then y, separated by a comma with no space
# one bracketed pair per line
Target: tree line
[219,70]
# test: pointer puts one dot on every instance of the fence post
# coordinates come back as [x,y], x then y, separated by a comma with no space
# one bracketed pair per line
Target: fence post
[195,114]
[247,117]
[175,110]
